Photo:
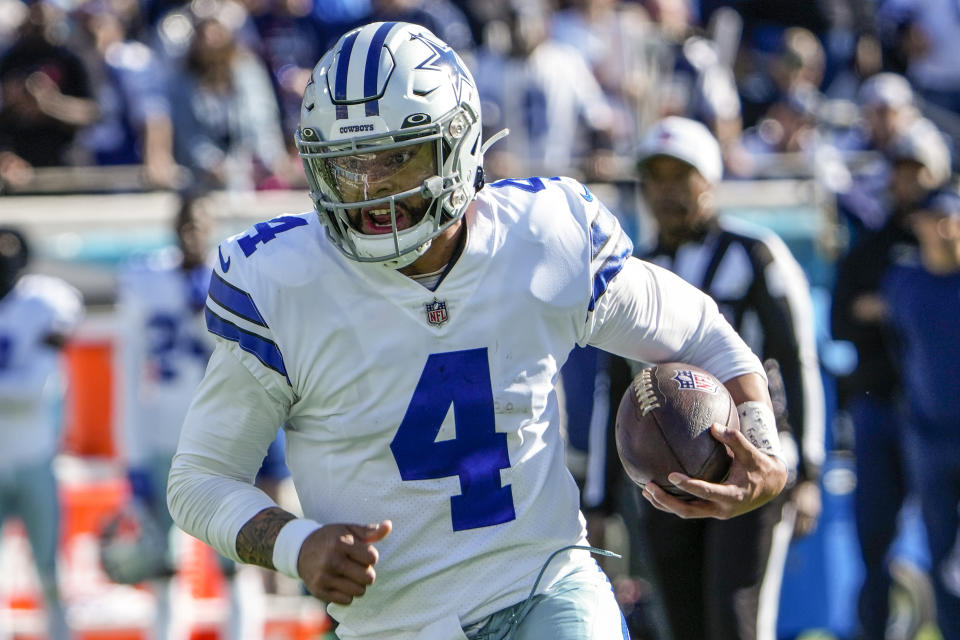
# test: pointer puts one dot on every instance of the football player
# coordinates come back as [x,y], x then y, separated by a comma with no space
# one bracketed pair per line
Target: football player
[408,335]
[164,348]
[38,313]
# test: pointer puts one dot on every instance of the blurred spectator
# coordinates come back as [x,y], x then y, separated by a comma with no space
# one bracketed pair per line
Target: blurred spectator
[852,46]
[544,92]
[788,126]
[291,40]
[887,107]
[918,160]
[336,17]
[37,316]
[925,34]
[442,17]
[688,77]
[766,20]
[174,33]
[922,299]
[45,95]
[12,15]
[887,112]
[792,141]
[846,30]
[920,163]
[612,37]
[797,63]
[134,125]
[225,117]
[481,12]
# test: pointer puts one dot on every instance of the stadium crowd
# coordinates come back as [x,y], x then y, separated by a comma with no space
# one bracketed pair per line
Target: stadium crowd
[207,93]
[861,96]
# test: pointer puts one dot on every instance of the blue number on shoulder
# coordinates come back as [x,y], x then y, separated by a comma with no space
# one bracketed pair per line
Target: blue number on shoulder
[476,455]
[530,185]
[267,231]
[6,351]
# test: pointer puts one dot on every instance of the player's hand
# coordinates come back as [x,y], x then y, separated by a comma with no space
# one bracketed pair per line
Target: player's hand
[755,478]
[336,561]
[806,500]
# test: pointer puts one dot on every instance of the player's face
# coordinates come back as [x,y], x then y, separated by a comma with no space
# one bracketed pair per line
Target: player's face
[194,235]
[367,176]
[675,192]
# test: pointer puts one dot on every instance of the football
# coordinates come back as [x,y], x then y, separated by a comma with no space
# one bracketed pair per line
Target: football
[663,425]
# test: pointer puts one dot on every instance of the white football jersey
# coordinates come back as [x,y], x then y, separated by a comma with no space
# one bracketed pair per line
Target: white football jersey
[31,382]
[163,351]
[435,409]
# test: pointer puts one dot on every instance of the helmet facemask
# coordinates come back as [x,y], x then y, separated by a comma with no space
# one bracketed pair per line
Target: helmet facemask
[382,197]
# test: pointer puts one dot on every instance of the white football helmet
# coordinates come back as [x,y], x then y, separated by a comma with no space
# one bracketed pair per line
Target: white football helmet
[133,546]
[390,141]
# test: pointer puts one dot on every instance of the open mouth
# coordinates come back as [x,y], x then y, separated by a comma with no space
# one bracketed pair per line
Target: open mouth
[376,221]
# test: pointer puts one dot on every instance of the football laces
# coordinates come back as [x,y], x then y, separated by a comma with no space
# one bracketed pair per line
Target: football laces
[646,396]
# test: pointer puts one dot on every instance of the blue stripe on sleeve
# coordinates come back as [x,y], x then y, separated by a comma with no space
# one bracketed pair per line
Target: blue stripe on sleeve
[610,268]
[234,300]
[603,226]
[265,351]
[371,70]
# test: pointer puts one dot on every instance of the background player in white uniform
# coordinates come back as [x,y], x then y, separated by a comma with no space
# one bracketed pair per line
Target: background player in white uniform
[410,343]
[164,352]
[37,315]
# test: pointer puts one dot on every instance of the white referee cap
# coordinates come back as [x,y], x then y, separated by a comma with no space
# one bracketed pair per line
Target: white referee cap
[686,140]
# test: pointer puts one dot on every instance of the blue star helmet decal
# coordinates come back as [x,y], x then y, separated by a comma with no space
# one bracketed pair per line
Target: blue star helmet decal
[444,59]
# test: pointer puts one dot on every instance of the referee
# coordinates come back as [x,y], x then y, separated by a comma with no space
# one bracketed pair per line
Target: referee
[719,579]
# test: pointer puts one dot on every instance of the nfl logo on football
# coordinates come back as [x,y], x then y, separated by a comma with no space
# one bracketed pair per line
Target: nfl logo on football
[436,312]
[687,379]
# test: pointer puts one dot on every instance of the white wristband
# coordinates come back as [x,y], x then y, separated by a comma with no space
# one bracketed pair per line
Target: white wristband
[759,425]
[286,549]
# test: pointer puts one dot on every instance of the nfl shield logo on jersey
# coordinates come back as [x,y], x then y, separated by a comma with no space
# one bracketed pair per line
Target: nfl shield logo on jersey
[688,379]
[436,312]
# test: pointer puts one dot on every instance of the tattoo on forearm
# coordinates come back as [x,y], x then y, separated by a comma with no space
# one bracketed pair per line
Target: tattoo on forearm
[256,538]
